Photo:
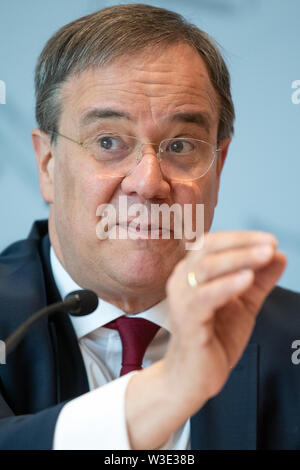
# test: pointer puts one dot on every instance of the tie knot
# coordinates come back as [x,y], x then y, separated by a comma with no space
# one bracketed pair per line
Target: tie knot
[136,334]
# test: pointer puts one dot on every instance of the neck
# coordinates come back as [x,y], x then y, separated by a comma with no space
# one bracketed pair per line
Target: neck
[133,305]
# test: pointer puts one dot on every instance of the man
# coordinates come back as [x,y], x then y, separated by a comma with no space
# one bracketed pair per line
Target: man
[134,102]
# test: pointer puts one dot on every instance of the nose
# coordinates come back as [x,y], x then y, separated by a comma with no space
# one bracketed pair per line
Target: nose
[146,180]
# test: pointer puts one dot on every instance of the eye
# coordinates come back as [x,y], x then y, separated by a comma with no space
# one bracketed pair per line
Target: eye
[180,146]
[108,142]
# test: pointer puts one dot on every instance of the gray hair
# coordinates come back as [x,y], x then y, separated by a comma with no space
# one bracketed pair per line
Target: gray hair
[101,37]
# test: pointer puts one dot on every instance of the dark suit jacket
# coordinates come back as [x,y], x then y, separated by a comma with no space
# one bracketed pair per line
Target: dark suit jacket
[259,407]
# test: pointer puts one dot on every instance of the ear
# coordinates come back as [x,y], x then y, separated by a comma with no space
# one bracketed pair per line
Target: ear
[222,154]
[45,163]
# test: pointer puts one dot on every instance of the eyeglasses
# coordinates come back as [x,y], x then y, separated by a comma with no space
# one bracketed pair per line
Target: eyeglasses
[181,158]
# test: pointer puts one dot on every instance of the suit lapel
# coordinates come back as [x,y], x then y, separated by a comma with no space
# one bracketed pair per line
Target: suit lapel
[46,367]
[70,370]
[28,378]
[229,420]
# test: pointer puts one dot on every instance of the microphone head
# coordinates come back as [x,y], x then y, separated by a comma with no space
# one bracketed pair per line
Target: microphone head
[85,302]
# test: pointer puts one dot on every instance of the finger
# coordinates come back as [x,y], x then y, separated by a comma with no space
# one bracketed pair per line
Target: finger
[264,281]
[218,292]
[219,241]
[217,264]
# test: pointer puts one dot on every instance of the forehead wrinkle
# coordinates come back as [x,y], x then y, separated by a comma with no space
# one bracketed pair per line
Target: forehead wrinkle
[130,85]
[157,89]
[187,95]
[163,76]
[183,98]
[156,93]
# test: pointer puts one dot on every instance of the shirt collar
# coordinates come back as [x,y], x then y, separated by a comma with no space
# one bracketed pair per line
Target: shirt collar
[105,312]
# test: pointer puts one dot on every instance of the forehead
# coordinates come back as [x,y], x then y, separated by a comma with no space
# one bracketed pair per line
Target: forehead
[146,86]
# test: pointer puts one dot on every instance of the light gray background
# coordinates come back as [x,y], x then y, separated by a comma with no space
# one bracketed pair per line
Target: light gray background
[260,188]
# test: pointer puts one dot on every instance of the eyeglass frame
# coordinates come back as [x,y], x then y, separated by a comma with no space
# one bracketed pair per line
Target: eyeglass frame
[82,145]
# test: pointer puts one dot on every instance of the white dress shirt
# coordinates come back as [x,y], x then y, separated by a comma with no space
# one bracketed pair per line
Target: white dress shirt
[96,420]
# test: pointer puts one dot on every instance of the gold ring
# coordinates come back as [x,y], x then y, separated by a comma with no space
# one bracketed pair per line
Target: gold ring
[191,278]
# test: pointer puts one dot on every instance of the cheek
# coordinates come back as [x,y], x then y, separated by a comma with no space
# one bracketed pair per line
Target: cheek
[80,189]
[204,191]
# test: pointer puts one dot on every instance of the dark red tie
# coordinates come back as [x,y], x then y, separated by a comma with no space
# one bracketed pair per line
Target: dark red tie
[136,334]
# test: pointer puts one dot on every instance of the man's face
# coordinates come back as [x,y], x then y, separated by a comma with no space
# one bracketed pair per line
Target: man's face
[149,90]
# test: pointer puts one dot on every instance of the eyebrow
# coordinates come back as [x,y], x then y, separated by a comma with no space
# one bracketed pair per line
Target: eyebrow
[96,114]
[202,119]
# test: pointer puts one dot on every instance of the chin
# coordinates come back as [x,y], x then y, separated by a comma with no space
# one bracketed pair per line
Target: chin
[144,268]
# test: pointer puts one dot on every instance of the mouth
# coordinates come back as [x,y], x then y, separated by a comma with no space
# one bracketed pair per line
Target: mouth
[145,230]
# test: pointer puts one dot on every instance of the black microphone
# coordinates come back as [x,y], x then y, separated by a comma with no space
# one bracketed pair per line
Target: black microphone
[77,303]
